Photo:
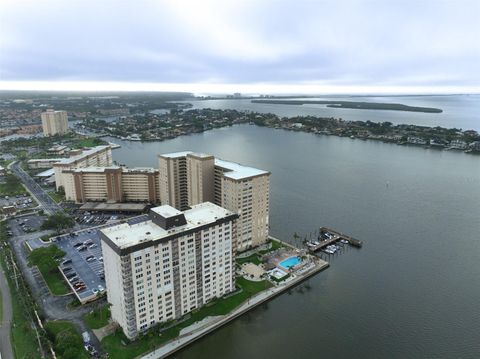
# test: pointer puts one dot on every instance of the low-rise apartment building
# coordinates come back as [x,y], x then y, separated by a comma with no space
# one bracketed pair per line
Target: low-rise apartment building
[169,265]
[99,156]
[111,184]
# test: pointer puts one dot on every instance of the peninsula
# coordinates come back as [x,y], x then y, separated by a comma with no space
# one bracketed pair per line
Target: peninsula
[355,105]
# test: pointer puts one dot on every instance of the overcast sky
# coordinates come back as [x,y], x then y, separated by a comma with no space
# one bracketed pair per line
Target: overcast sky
[249,46]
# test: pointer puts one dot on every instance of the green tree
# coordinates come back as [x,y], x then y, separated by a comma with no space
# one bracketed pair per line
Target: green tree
[58,221]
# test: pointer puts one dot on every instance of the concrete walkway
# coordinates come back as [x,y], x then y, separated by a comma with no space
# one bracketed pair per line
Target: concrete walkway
[5,344]
[198,330]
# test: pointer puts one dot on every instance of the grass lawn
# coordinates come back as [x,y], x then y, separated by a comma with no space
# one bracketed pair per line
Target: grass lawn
[12,186]
[67,341]
[250,259]
[1,306]
[57,197]
[88,142]
[24,340]
[54,280]
[275,245]
[5,163]
[98,318]
[44,259]
[46,238]
[113,343]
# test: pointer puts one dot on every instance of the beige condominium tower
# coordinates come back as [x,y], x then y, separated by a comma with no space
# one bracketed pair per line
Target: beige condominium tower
[172,263]
[54,122]
[188,178]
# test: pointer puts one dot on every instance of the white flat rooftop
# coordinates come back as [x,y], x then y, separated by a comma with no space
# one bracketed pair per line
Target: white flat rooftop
[85,153]
[124,169]
[184,154]
[166,211]
[139,169]
[234,170]
[126,235]
[237,171]
[94,169]
[45,160]
[46,173]
[176,154]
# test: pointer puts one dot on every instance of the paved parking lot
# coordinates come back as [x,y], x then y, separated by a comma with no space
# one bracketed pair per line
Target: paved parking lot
[20,202]
[88,272]
[26,224]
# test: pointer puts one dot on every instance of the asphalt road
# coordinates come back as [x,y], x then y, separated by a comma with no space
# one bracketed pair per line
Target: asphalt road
[48,204]
[5,345]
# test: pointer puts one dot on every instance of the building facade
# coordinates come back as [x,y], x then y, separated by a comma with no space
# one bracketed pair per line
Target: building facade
[111,184]
[43,162]
[187,178]
[172,182]
[100,156]
[169,265]
[54,122]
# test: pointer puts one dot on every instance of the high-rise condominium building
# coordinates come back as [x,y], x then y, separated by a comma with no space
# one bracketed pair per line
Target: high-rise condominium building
[187,178]
[165,267]
[54,122]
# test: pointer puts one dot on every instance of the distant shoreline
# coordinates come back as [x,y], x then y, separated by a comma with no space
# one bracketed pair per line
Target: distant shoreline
[356,105]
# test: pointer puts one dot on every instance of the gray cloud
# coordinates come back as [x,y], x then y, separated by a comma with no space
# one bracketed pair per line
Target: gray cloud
[351,43]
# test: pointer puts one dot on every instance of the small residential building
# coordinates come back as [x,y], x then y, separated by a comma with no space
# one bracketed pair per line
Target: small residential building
[58,150]
[9,210]
[416,140]
[458,144]
[474,146]
[163,268]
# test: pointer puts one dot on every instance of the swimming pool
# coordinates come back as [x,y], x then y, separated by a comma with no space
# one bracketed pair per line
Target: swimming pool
[290,262]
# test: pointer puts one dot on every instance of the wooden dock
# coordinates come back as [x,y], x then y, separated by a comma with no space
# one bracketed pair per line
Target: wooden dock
[354,242]
[336,237]
[323,244]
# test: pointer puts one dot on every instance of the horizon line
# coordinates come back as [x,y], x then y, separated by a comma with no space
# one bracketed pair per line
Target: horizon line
[253,89]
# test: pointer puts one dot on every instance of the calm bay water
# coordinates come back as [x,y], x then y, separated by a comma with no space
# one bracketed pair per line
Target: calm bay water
[459,111]
[412,291]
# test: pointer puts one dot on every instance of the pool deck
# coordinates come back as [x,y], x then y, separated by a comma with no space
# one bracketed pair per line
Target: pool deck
[210,324]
